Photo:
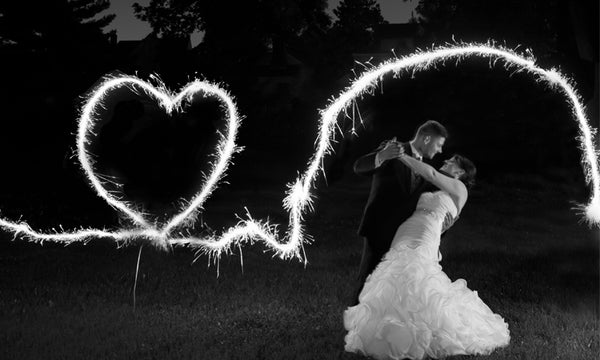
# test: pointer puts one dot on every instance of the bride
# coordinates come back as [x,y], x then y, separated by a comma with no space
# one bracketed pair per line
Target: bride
[408,307]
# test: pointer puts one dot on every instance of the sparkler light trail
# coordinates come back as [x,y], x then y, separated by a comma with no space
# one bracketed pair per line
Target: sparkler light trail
[142,228]
[225,149]
[298,199]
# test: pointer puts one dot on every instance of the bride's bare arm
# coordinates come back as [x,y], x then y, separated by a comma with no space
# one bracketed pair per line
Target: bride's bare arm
[454,187]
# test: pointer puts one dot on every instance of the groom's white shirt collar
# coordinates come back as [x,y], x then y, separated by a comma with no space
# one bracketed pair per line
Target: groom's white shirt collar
[415,153]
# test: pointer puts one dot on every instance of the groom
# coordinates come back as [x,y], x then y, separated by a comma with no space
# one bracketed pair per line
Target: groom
[395,190]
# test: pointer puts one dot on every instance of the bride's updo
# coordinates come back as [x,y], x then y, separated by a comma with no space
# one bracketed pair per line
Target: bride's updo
[468,178]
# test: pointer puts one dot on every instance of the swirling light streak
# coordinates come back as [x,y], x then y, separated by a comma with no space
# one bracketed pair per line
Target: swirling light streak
[298,199]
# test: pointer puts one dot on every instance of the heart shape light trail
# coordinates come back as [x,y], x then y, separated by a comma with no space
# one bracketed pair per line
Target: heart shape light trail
[298,199]
[169,102]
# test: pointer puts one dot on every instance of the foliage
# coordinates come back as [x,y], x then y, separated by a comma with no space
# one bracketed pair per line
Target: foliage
[65,36]
[352,32]
[534,22]
[172,18]
[292,17]
[236,36]
[216,18]
[51,52]
[88,10]
[356,20]
[52,24]
[561,34]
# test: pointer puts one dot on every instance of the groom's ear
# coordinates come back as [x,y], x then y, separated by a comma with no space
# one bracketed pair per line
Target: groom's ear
[426,139]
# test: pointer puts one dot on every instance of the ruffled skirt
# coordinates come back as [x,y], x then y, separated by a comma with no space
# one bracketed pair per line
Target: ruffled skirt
[409,308]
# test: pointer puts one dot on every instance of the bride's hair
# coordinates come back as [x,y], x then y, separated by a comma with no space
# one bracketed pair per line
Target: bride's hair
[468,178]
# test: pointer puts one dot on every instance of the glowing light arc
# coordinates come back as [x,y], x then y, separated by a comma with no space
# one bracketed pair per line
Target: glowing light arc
[298,199]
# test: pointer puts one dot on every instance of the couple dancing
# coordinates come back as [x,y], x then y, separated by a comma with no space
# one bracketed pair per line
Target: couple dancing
[407,306]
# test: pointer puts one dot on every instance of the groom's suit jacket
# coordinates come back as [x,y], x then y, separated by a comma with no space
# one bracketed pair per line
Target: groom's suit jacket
[395,190]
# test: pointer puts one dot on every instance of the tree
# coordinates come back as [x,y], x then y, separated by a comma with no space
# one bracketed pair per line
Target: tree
[87,11]
[535,23]
[560,33]
[51,52]
[352,31]
[356,20]
[286,21]
[289,18]
[234,40]
[171,18]
[252,22]
[51,23]
[54,40]
[548,28]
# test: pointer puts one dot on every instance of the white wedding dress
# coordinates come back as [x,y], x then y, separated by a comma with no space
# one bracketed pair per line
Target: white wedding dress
[409,308]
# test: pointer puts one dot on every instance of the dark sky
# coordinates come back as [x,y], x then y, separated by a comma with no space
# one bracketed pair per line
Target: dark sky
[130,28]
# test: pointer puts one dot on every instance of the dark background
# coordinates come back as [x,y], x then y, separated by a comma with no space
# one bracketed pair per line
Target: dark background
[282,61]
[518,242]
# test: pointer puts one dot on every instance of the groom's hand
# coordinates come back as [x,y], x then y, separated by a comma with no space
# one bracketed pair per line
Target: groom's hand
[391,150]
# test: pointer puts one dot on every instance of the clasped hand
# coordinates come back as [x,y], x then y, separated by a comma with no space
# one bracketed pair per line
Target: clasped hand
[392,150]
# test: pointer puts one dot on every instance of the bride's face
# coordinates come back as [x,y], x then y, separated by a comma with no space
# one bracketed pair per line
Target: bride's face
[451,167]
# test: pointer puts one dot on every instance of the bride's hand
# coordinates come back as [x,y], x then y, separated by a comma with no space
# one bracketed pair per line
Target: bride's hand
[392,150]
[402,153]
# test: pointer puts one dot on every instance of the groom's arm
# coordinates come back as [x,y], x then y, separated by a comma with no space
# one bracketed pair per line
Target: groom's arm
[365,165]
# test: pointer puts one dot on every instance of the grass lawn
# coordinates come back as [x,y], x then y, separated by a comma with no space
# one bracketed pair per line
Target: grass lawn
[517,243]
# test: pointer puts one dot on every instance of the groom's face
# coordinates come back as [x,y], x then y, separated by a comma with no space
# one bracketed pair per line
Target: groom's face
[433,146]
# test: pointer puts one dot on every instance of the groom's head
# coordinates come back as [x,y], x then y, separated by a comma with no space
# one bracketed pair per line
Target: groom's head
[430,138]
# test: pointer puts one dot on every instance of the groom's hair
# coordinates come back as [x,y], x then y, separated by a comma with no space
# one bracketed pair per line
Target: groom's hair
[431,128]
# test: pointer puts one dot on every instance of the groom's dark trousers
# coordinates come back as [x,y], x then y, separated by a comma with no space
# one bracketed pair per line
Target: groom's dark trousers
[395,190]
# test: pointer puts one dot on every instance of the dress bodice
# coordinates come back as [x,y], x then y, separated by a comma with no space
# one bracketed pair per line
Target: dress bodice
[437,204]
[423,229]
